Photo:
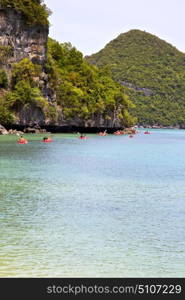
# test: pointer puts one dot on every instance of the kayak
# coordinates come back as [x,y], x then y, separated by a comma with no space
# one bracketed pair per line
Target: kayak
[23,142]
[146,132]
[47,141]
[83,138]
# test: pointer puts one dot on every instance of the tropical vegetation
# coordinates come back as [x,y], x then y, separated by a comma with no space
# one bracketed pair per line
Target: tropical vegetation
[82,91]
[153,72]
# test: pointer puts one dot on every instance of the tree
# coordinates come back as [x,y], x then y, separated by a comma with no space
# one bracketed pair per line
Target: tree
[25,70]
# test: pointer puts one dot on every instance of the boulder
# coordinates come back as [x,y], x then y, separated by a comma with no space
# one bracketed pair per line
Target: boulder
[3,130]
[43,131]
[34,130]
[31,130]
[14,131]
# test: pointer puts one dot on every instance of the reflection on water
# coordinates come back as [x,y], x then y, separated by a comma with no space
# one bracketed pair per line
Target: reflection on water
[105,207]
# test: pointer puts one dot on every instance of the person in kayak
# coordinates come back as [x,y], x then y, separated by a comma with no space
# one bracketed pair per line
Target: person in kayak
[104,133]
[83,136]
[47,139]
[22,140]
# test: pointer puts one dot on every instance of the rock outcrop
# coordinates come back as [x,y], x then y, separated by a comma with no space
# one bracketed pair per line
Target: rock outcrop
[18,40]
[3,130]
[145,91]
[21,40]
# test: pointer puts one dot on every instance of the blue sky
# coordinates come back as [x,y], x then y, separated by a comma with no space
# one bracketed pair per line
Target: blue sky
[90,24]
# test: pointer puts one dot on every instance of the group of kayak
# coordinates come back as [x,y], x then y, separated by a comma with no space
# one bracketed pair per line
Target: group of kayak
[125,132]
[119,132]
[46,139]
[22,140]
[131,133]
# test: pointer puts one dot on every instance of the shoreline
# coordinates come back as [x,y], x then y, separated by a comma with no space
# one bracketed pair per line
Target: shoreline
[77,129]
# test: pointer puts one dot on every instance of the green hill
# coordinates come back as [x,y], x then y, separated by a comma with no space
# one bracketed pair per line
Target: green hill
[154,73]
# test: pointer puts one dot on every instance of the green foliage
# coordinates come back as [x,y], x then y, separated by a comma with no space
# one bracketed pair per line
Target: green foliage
[25,70]
[35,11]
[25,89]
[5,53]
[153,72]
[6,115]
[3,79]
[23,93]
[84,91]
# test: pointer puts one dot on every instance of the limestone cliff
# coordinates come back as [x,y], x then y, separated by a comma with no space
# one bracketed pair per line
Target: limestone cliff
[18,40]
[23,40]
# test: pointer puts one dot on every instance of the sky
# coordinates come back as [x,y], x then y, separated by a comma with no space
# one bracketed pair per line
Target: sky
[90,24]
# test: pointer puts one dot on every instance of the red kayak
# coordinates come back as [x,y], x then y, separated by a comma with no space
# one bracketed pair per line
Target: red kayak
[83,138]
[146,132]
[22,142]
[47,141]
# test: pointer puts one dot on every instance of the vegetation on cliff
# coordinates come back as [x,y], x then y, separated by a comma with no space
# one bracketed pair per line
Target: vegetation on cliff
[83,92]
[22,89]
[34,11]
[153,72]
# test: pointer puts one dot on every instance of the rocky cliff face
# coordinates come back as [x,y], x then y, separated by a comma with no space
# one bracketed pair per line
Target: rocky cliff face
[18,40]
[21,40]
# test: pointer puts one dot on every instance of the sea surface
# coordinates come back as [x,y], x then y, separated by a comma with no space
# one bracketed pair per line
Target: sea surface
[102,207]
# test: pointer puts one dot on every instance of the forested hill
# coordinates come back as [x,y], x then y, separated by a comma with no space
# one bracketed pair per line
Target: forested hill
[154,72]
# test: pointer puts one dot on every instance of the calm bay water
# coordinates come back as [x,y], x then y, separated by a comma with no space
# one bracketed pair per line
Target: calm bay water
[103,207]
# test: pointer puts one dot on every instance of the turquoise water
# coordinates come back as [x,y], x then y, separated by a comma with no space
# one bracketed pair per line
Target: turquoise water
[103,207]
